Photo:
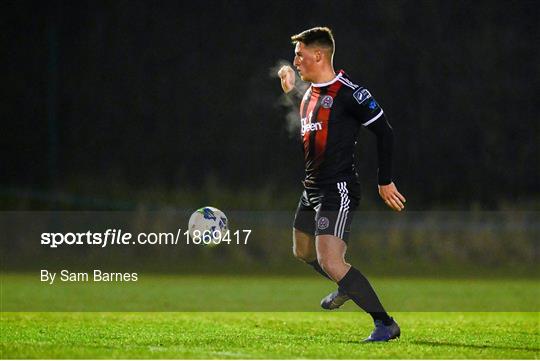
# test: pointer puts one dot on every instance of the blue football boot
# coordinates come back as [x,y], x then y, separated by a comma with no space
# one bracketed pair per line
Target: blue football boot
[384,333]
[334,300]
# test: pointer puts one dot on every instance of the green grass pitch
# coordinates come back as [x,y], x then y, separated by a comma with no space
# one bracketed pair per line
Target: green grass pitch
[273,334]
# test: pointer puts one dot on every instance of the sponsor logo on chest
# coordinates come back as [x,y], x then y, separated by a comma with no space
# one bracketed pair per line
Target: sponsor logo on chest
[308,126]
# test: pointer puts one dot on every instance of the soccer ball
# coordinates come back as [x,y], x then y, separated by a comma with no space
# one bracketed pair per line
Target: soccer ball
[207,225]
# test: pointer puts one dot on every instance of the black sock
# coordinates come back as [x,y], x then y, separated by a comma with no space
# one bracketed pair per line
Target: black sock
[315,264]
[359,289]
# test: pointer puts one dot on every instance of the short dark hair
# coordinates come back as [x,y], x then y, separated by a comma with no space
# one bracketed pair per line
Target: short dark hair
[321,36]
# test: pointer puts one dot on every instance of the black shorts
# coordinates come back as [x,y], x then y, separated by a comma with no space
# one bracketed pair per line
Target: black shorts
[328,209]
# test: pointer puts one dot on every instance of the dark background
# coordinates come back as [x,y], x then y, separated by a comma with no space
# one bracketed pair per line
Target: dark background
[112,103]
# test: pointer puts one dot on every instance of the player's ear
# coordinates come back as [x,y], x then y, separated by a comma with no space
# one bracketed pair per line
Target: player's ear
[318,55]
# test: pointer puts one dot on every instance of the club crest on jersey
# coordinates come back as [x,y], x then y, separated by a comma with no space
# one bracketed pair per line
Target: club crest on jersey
[327,101]
[361,95]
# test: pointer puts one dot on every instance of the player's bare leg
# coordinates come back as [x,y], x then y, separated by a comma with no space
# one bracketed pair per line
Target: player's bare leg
[304,246]
[331,255]
[304,250]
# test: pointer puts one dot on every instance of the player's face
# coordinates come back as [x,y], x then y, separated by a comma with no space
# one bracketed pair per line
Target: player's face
[305,61]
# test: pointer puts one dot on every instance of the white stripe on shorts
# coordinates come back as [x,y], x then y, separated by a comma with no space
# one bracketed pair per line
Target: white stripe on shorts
[341,219]
[346,211]
[339,212]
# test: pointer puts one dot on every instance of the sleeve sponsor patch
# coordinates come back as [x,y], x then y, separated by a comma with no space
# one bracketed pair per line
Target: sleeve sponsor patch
[361,95]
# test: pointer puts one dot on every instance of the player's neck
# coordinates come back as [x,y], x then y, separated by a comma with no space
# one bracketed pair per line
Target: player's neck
[325,76]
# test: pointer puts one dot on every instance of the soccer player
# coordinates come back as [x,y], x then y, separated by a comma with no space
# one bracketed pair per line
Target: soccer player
[332,110]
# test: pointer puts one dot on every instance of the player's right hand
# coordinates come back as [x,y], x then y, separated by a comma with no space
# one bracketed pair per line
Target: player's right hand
[288,78]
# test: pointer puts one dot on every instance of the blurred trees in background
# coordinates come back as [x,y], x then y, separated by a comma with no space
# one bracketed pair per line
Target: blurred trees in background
[181,95]
[432,244]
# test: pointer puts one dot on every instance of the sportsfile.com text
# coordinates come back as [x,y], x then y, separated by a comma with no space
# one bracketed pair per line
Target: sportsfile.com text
[118,237]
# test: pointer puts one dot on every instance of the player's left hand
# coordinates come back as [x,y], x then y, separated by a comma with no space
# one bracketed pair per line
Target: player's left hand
[392,197]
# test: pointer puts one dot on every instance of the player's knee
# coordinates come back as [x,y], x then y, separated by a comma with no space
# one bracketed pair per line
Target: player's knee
[325,263]
[330,265]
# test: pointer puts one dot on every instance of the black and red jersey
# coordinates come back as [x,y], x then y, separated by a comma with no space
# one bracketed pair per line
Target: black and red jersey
[331,115]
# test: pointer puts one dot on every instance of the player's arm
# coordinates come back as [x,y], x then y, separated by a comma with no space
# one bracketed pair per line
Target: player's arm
[385,144]
[288,78]
[366,108]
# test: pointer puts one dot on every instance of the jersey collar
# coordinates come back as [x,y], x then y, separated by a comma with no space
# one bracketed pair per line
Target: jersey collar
[320,85]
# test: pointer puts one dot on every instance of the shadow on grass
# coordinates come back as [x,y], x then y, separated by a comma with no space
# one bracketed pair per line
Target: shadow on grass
[455,344]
